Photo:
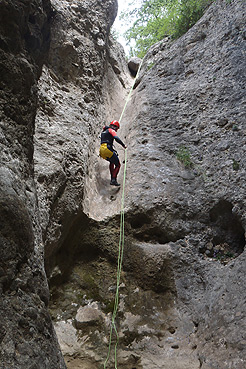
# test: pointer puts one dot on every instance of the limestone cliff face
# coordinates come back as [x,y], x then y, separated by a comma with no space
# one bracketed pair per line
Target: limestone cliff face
[189,107]
[182,292]
[27,337]
[82,69]
[185,212]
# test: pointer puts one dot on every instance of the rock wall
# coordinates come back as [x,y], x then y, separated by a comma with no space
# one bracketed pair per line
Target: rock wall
[189,107]
[190,104]
[182,292]
[84,83]
[185,220]
[83,68]
[27,337]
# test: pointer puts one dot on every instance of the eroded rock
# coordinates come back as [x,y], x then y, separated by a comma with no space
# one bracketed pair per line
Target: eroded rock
[25,322]
[133,65]
[88,315]
[179,303]
[184,197]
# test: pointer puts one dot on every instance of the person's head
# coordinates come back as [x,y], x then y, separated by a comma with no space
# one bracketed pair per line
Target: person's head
[115,125]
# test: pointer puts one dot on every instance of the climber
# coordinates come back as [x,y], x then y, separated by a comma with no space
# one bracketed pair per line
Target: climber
[107,151]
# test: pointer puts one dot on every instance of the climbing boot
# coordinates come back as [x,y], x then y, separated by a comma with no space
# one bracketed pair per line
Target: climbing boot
[114,182]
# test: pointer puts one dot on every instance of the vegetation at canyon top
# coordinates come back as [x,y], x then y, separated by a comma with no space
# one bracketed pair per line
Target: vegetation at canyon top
[156,19]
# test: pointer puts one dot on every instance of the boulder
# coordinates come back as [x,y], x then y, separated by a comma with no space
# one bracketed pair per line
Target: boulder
[87,316]
[133,64]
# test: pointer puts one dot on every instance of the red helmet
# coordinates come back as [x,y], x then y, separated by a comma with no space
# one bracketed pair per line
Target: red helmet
[115,123]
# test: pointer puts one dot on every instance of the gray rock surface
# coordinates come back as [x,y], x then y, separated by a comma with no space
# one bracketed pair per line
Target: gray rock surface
[27,337]
[182,289]
[184,257]
[75,91]
[88,315]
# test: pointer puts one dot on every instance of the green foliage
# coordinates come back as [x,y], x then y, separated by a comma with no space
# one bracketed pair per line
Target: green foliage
[223,257]
[115,34]
[235,127]
[150,66]
[109,306]
[235,165]
[156,19]
[183,155]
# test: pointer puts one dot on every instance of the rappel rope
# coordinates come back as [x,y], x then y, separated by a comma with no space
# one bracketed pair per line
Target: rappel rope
[121,245]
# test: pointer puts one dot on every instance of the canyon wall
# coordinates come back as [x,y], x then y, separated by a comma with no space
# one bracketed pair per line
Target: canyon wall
[182,292]
[27,337]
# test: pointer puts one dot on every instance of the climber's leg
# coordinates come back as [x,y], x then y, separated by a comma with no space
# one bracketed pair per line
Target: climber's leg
[114,169]
[111,169]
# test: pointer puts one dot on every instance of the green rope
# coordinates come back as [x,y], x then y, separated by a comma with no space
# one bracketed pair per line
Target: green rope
[120,261]
[121,248]
[129,95]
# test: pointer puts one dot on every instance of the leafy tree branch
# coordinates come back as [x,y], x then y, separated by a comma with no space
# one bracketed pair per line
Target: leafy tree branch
[156,19]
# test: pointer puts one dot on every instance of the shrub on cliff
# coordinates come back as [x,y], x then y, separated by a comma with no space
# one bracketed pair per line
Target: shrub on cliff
[156,19]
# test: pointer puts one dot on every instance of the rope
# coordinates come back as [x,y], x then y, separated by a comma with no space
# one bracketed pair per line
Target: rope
[120,261]
[121,246]
[129,95]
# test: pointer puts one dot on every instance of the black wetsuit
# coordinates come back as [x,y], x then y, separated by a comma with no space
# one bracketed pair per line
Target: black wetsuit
[108,136]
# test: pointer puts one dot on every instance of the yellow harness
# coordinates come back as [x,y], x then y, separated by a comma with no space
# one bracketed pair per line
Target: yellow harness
[104,152]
